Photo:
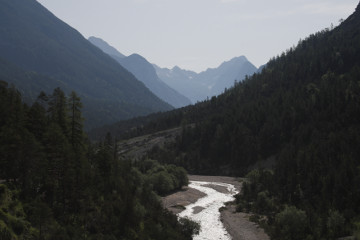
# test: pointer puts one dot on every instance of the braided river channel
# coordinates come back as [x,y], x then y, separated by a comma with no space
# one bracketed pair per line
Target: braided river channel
[206,210]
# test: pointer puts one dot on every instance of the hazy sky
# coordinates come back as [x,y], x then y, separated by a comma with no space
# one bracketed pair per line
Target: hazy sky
[197,34]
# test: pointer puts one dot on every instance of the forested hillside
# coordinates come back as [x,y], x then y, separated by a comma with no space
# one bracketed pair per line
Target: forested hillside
[55,185]
[311,88]
[301,113]
[35,42]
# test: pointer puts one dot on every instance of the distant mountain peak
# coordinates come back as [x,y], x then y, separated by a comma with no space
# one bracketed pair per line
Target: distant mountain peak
[146,73]
[105,47]
[242,57]
[237,60]
[176,68]
[213,81]
[137,56]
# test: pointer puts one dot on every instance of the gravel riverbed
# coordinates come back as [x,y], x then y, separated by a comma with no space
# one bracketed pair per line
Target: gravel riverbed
[237,225]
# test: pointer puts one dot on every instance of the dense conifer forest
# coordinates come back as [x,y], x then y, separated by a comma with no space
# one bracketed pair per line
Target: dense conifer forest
[300,114]
[56,185]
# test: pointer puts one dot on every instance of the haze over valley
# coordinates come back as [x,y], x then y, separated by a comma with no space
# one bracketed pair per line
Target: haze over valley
[109,137]
[195,86]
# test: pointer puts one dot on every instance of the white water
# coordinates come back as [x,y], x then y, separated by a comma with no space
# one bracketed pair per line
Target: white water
[209,218]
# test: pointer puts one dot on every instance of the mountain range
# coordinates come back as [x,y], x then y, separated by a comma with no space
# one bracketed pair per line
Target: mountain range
[177,86]
[212,82]
[145,72]
[48,53]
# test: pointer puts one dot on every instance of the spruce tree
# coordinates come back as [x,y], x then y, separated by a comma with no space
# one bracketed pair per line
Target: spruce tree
[58,110]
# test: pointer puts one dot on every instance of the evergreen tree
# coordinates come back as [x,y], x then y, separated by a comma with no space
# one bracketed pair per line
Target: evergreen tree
[58,110]
[76,122]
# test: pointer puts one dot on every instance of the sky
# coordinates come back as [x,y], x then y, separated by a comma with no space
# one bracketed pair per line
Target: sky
[200,34]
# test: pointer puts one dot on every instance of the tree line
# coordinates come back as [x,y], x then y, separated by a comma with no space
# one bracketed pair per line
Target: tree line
[56,184]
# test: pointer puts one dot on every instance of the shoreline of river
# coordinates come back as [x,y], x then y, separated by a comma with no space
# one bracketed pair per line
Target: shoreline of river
[232,220]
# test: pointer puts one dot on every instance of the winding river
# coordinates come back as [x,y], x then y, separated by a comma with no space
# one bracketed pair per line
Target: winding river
[206,210]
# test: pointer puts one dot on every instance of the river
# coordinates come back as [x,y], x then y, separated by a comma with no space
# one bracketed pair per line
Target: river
[205,211]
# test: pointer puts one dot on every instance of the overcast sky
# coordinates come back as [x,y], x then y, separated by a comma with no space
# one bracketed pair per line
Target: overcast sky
[197,34]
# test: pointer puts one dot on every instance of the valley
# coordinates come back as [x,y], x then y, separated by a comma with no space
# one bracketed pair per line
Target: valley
[295,121]
[100,145]
[237,225]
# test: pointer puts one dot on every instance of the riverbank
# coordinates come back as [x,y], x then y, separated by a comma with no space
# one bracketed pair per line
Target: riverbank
[237,224]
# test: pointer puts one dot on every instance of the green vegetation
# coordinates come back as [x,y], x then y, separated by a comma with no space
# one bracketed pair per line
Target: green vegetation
[13,224]
[163,178]
[303,218]
[317,174]
[56,185]
[303,111]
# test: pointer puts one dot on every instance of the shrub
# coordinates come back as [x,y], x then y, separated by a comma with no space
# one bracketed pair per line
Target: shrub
[5,232]
[291,224]
[264,204]
[335,224]
[190,228]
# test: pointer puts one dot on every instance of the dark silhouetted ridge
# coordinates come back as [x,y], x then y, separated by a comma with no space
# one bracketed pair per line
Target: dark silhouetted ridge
[34,40]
